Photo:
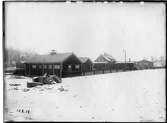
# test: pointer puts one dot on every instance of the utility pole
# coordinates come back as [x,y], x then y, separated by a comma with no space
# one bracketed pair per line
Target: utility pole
[125,54]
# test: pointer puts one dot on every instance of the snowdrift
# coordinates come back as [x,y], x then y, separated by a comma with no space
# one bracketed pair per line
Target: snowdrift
[125,96]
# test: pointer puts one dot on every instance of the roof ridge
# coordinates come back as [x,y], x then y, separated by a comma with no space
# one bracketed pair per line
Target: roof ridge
[57,58]
[106,58]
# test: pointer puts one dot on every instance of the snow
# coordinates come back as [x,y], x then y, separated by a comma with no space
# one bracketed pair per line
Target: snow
[124,96]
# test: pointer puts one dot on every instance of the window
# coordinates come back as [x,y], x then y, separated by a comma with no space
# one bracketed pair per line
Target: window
[77,66]
[69,66]
[45,66]
[57,66]
[34,66]
[50,66]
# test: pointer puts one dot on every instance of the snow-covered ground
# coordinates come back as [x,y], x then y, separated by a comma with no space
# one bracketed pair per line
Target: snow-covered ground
[124,96]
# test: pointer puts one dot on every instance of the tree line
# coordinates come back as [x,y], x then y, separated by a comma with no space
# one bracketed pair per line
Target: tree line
[13,56]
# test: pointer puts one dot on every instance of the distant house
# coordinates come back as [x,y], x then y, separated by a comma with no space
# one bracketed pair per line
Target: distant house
[105,58]
[144,64]
[104,62]
[61,64]
[87,64]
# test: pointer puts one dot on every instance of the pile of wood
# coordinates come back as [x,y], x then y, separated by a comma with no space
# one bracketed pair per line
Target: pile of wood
[45,79]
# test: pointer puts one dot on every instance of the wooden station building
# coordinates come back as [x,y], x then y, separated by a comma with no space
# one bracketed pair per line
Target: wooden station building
[60,64]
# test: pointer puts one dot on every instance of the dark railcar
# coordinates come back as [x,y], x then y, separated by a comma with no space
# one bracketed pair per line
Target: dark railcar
[125,66]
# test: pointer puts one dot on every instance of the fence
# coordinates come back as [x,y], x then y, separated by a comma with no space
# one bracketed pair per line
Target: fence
[93,72]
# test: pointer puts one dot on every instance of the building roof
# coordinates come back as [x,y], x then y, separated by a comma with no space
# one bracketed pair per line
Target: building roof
[54,58]
[144,60]
[84,59]
[107,57]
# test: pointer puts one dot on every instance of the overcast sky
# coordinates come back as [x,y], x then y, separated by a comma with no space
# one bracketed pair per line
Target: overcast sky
[87,29]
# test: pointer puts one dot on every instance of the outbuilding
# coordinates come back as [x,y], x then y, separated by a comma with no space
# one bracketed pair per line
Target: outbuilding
[104,62]
[144,64]
[87,64]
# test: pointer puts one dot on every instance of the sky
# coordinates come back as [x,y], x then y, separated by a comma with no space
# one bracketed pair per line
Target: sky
[87,29]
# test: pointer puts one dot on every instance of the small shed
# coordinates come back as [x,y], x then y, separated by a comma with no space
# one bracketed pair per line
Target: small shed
[87,64]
